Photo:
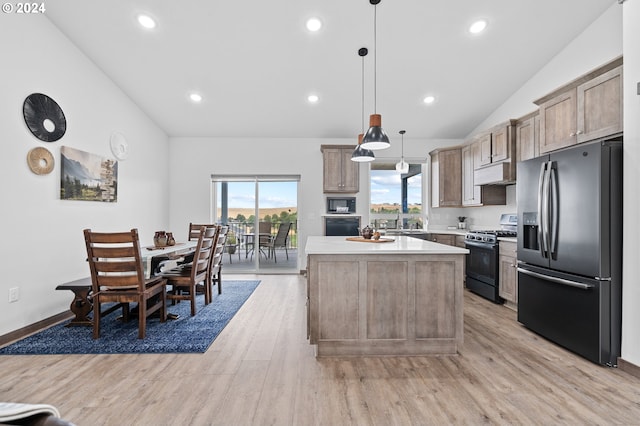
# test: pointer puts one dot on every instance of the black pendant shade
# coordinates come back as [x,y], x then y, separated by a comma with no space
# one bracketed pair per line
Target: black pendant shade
[360,154]
[375,138]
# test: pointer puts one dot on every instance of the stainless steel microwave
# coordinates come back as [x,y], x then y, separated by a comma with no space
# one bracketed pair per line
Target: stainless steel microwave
[345,205]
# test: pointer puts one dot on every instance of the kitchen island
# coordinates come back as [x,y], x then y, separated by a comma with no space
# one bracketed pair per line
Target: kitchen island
[402,297]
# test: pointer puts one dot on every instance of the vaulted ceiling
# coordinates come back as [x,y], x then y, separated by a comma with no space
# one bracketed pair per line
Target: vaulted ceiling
[255,62]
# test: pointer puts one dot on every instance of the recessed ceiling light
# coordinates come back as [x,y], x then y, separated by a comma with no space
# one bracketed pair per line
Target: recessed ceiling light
[146,21]
[429,99]
[195,97]
[313,99]
[478,26]
[314,24]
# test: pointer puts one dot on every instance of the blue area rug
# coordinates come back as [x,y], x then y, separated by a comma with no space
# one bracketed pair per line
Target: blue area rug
[184,335]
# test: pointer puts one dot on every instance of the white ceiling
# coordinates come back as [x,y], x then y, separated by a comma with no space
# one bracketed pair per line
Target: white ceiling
[254,62]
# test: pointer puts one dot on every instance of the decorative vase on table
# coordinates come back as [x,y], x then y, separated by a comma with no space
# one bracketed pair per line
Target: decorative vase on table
[160,239]
[170,240]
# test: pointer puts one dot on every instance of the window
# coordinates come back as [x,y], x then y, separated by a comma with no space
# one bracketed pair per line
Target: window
[396,199]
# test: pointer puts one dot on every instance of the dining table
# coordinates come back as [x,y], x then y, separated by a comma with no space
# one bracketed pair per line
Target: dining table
[249,240]
[152,258]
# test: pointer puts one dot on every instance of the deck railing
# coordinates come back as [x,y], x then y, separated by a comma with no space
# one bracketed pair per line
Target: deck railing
[241,228]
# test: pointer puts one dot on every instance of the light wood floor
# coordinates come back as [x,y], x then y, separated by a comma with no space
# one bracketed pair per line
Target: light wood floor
[261,370]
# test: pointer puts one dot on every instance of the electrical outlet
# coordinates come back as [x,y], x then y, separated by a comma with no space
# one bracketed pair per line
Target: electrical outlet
[14,294]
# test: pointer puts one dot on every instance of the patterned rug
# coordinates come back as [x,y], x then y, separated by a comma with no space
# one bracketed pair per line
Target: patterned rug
[183,335]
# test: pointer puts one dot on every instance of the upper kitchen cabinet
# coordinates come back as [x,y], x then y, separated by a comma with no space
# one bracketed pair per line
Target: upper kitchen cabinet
[340,174]
[476,195]
[527,136]
[496,145]
[446,177]
[587,108]
[497,150]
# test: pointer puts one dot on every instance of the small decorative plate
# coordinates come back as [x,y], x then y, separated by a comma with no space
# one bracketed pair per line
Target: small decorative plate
[119,146]
[40,161]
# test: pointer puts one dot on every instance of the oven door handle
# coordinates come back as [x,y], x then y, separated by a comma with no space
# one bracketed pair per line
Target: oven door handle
[481,245]
[557,280]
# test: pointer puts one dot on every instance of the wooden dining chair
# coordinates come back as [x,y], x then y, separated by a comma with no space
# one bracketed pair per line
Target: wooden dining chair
[117,275]
[185,278]
[215,268]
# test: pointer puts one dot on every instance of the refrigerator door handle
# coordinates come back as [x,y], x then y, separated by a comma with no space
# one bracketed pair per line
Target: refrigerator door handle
[541,221]
[553,213]
[545,209]
[557,280]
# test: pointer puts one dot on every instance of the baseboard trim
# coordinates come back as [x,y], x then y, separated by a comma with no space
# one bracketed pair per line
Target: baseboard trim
[629,367]
[23,332]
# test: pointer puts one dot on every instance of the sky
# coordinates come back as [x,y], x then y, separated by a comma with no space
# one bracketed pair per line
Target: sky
[272,194]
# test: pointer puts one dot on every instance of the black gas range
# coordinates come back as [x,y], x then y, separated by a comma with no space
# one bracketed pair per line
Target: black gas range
[482,264]
[489,236]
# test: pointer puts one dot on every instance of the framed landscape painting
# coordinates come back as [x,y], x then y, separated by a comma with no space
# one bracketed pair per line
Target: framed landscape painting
[87,177]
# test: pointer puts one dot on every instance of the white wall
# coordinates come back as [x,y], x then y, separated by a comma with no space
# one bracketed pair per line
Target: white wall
[42,237]
[631,278]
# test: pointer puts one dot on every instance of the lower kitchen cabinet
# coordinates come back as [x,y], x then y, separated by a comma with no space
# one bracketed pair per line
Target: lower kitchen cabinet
[448,239]
[508,279]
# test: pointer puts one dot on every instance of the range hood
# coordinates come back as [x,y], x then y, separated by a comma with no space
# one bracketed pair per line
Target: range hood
[495,174]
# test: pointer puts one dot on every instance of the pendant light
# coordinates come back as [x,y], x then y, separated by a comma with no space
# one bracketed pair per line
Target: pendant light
[402,166]
[375,138]
[361,154]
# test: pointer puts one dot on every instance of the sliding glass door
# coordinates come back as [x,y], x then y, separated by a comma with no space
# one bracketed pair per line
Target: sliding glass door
[261,212]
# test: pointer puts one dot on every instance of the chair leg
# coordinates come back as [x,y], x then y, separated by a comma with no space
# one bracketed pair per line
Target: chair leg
[220,279]
[96,317]
[193,301]
[163,310]
[142,318]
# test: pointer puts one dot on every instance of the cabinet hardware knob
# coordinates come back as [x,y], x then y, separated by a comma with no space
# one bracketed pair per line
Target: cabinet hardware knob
[572,134]
[579,132]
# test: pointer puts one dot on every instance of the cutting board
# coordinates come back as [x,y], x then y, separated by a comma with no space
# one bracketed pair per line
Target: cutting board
[364,240]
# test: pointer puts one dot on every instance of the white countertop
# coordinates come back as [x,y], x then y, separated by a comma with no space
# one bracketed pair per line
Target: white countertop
[400,245]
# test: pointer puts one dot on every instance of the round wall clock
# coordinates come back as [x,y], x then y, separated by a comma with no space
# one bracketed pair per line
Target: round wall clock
[40,161]
[119,146]
[44,117]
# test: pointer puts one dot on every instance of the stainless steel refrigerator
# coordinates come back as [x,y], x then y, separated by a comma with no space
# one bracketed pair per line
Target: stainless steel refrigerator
[570,248]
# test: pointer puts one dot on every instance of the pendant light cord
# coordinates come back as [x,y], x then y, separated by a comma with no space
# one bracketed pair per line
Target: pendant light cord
[362,92]
[375,59]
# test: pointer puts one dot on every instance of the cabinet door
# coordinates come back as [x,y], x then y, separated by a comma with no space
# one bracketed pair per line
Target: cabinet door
[508,284]
[350,172]
[332,170]
[500,144]
[450,178]
[447,239]
[558,122]
[526,138]
[470,192]
[600,106]
[484,143]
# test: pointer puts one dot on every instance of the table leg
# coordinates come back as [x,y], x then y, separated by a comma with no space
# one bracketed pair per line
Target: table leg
[81,306]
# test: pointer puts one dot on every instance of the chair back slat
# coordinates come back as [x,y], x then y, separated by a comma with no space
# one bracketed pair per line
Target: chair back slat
[114,251]
[194,230]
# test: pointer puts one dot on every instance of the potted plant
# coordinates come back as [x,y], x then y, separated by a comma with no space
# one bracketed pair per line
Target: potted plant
[461,222]
[232,242]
